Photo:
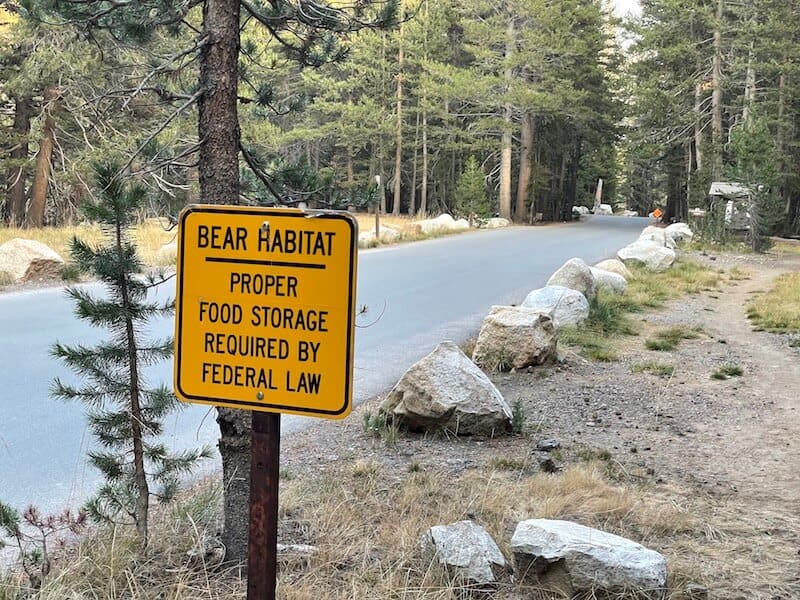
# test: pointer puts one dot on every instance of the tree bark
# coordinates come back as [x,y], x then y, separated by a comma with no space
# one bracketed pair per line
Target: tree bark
[524,182]
[412,201]
[716,97]
[423,193]
[398,156]
[506,139]
[676,185]
[218,120]
[749,89]
[698,125]
[218,129]
[142,503]
[19,154]
[41,177]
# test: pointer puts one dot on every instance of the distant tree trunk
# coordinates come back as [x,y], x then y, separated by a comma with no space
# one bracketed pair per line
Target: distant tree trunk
[398,156]
[218,130]
[412,201]
[505,144]
[716,97]
[780,135]
[749,89]
[676,185]
[423,193]
[571,193]
[41,177]
[698,125]
[351,176]
[19,154]
[524,182]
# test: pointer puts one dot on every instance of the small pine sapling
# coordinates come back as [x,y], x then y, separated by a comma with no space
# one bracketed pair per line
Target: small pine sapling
[124,414]
[32,532]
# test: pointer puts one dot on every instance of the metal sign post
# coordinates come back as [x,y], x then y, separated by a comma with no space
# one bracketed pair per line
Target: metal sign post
[265,321]
[262,546]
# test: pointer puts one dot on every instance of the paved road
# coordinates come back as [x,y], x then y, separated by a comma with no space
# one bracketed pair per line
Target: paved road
[417,295]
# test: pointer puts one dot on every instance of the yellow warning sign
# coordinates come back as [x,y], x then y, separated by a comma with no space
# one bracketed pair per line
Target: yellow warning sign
[265,312]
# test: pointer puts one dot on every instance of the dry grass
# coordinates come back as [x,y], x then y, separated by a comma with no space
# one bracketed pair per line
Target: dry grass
[366,521]
[778,310]
[786,247]
[406,227]
[366,517]
[149,237]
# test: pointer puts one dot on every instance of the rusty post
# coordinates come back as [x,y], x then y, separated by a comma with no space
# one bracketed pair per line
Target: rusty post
[262,559]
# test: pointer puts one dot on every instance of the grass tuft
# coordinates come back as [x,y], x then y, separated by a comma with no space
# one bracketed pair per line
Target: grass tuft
[668,339]
[727,372]
[654,368]
[778,310]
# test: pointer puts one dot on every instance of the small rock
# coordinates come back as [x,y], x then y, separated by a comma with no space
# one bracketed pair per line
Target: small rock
[547,464]
[467,552]
[548,445]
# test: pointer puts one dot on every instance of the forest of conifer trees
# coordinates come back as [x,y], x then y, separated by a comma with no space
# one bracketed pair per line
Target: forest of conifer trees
[548,97]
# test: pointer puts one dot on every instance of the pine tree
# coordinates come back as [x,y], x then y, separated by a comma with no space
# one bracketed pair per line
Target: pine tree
[471,196]
[124,414]
[755,164]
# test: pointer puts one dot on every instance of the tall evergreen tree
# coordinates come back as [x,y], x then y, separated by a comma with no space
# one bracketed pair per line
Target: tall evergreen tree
[125,415]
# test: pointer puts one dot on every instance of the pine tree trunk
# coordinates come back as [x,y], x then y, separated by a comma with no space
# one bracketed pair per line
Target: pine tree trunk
[19,154]
[749,89]
[218,121]
[698,125]
[523,185]
[423,193]
[716,98]
[780,136]
[412,201]
[505,145]
[44,160]
[218,128]
[398,157]
[676,187]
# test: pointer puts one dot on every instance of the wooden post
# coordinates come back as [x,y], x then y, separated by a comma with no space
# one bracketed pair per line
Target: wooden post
[262,548]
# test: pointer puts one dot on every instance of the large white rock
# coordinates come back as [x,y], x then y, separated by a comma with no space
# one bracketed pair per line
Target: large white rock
[581,210]
[576,275]
[658,235]
[495,222]
[443,222]
[680,232]
[629,213]
[614,265]
[515,337]
[446,390]
[578,559]
[461,225]
[648,253]
[28,260]
[388,235]
[467,552]
[564,305]
[604,209]
[611,282]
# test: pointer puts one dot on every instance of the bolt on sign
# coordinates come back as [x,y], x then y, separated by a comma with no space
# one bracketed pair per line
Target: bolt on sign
[265,309]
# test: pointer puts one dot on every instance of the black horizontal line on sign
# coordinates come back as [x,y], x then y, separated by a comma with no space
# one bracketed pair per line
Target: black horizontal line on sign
[265,263]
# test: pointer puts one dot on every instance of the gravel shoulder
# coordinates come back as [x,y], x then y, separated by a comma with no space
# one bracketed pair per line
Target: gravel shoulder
[723,453]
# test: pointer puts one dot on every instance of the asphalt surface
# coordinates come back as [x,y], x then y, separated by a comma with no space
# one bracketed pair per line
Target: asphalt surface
[416,295]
